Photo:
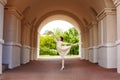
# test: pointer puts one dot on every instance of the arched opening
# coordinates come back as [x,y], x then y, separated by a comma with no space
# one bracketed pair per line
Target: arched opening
[64,18]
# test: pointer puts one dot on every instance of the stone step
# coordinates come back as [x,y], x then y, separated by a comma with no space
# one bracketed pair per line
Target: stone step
[4,67]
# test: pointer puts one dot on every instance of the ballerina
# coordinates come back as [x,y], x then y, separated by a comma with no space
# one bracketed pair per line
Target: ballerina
[62,47]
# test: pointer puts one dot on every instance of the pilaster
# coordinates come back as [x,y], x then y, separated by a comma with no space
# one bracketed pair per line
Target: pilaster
[117,4]
[107,36]
[82,47]
[93,54]
[85,43]
[12,37]
[25,41]
[25,54]
[90,43]
[2,3]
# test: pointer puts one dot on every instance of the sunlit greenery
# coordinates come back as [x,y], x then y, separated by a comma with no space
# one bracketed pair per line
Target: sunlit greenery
[48,45]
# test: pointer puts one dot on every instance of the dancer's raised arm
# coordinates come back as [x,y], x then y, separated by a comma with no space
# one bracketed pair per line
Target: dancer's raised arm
[51,33]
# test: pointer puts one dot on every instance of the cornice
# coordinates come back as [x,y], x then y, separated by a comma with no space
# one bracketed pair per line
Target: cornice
[105,12]
[116,2]
[15,11]
[3,2]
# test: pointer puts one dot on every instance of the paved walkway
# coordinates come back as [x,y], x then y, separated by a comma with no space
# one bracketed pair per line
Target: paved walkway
[49,69]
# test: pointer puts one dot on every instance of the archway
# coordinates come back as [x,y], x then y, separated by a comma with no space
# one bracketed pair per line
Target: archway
[63,18]
[50,16]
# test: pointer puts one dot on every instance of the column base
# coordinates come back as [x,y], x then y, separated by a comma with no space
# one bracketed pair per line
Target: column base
[107,56]
[33,54]
[93,55]
[11,55]
[0,58]
[86,54]
[82,53]
[1,44]
[25,54]
[118,56]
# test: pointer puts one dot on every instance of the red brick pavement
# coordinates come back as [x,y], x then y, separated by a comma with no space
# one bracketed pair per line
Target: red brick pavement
[49,69]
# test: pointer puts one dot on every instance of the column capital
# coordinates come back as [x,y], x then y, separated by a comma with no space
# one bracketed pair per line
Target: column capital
[3,2]
[94,22]
[14,11]
[26,22]
[105,12]
[116,2]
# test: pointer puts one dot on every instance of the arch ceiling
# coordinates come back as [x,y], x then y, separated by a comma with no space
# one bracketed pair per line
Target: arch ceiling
[85,10]
[59,17]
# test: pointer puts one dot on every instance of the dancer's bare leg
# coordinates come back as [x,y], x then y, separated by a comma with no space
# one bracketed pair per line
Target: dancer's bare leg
[62,64]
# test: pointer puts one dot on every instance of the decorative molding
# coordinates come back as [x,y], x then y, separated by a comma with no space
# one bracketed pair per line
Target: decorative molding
[1,41]
[94,47]
[3,2]
[14,11]
[107,45]
[91,25]
[26,46]
[12,44]
[94,22]
[116,2]
[105,12]
[26,23]
[117,42]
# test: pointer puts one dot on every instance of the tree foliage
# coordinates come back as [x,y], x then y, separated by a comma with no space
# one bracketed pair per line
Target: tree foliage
[48,45]
[71,36]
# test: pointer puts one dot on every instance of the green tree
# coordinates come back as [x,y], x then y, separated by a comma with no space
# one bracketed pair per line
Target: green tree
[71,36]
[47,45]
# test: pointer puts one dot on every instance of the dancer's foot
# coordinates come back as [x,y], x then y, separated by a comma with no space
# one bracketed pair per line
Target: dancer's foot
[62,68]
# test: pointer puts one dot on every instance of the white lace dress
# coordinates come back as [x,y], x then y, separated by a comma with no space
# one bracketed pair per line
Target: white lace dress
[62,50]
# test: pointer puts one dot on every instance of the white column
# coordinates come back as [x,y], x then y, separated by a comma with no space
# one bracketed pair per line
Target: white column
[82,47]
[93,49]
[33,45]
[12,37]
[95,42]
[25,54]
[90,44]
[2,3]
[117,4]
[86,45]
[25,49]
[38,46]
[107,56]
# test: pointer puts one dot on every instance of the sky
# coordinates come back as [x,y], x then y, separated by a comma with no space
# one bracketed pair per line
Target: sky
[64,25]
